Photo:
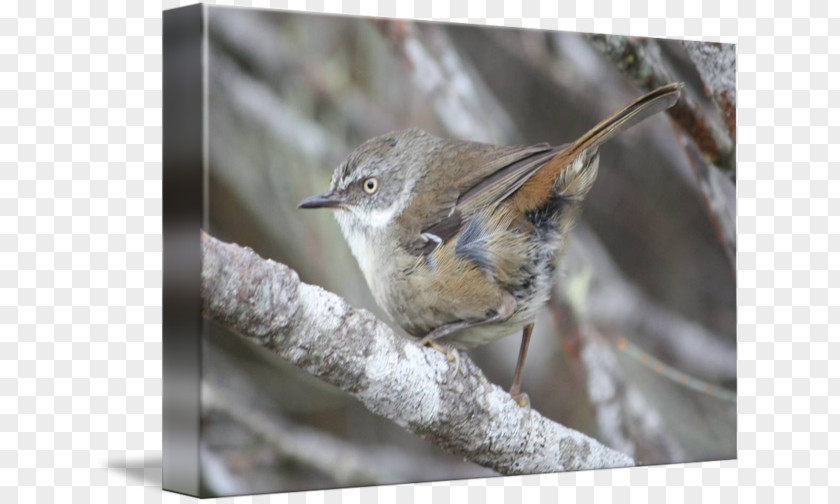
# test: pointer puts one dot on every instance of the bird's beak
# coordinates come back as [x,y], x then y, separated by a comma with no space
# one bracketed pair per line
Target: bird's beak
[328,199]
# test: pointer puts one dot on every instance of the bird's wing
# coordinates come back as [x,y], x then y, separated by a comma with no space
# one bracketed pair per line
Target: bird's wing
[501,183]
[479,176]
[475,177]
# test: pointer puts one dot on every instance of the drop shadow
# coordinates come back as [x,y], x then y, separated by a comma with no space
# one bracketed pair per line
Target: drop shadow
[148,471]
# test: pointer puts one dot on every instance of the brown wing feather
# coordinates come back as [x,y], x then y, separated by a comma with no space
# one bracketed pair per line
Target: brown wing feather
[504,182]
[482,172]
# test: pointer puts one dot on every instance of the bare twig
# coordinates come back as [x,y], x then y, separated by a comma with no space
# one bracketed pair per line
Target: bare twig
[716,65]
[640,59]
[393,377]
[675,375]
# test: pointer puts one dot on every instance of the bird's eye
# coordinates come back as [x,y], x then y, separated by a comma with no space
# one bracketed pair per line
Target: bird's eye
[371,185]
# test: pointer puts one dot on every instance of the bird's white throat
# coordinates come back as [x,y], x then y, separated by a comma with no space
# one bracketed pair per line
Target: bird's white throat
[366,230]
[360,238]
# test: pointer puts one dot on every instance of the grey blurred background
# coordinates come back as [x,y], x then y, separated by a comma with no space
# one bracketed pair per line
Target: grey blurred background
[636,348]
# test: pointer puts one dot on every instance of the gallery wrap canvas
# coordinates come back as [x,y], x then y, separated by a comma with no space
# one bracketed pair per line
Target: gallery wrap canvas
[365,217]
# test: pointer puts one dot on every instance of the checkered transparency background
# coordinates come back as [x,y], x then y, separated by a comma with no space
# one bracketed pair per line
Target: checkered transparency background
[80,252]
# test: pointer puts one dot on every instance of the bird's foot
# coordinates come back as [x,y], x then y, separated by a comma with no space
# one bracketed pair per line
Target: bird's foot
[524,402]
[449,351]
[521,399]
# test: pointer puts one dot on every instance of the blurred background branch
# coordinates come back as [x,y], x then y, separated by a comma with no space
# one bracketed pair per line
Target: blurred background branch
[652,260]
[346,463]
[614,301]
[641,60]
[461,101]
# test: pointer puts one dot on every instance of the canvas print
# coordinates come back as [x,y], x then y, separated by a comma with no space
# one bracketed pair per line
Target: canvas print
[417,251]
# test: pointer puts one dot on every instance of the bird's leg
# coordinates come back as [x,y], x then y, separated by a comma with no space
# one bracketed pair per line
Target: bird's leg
[515,390]
[447,329]
[503,313]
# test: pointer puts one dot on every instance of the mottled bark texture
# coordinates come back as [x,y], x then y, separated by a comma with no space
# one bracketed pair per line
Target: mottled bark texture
[716,64]
[392,376]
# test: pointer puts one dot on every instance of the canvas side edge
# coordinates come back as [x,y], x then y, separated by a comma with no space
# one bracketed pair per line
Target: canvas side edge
[183,178]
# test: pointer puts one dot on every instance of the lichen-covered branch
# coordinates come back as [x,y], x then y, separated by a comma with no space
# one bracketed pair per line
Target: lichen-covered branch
[392,376]
[640,60]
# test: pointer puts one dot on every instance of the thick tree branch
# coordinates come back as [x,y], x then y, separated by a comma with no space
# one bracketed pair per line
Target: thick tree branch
[392,376]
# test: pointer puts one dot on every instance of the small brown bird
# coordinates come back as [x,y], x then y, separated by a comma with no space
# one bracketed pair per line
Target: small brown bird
[459,241]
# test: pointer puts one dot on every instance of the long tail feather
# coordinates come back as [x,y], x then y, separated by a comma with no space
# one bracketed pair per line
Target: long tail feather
[661,98]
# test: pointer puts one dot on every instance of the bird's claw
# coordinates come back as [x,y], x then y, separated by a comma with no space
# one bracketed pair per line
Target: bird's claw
[449,351]
[522,399]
